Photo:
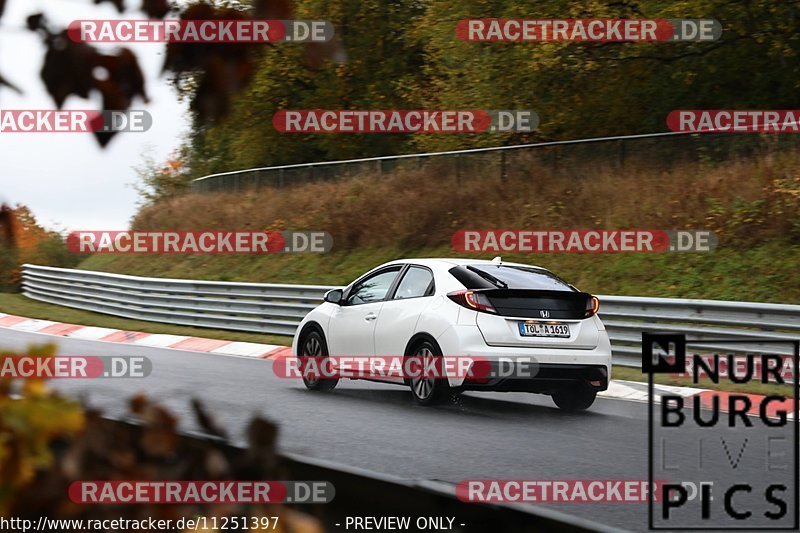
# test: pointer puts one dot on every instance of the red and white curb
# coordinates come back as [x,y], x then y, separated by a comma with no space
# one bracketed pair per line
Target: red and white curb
[637,392]
[138,338]
[618,389]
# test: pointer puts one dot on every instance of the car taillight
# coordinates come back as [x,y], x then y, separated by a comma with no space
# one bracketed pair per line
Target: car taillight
[592,305]
[476,301]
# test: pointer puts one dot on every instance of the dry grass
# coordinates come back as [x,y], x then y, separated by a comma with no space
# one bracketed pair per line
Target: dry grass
[744,202]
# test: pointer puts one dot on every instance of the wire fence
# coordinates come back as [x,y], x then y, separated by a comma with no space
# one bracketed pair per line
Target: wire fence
[573,159]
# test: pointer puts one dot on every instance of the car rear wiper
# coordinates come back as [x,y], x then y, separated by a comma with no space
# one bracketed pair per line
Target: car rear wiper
[488,277]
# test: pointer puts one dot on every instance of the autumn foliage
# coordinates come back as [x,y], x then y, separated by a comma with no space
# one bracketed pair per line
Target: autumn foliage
[24,240]
[31,418]
[50,441]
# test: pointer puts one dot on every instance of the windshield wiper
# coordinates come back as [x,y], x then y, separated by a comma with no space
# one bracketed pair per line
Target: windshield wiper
[488,277]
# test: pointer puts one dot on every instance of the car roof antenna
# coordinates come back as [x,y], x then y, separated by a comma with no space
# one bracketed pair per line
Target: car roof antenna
[497,260]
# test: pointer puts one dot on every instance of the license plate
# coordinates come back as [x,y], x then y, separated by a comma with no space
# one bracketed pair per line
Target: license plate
[541,329]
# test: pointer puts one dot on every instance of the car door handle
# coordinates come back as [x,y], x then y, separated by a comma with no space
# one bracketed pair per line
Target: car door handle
[370,317]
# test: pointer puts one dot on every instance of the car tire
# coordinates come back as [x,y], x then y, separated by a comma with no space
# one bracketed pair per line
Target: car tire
[314,345]
[575,399]
[429,391]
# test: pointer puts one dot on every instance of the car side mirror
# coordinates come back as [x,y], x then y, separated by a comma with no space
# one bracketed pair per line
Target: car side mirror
[334,296]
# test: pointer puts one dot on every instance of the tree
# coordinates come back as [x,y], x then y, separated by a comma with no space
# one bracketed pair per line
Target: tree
[370,65]
[405,55]
[24,240]
[161,181]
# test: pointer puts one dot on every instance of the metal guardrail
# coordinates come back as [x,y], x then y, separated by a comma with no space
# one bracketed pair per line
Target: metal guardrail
[256,307]
[278,309]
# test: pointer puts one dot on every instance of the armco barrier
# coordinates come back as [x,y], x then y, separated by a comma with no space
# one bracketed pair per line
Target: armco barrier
[278,309]
[257,307]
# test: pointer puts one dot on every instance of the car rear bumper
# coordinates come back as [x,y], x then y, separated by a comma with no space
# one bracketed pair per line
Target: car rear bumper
[528,369]
[549,378]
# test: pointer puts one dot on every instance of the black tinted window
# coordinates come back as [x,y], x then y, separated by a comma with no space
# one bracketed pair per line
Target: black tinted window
[515,277]
[415,283]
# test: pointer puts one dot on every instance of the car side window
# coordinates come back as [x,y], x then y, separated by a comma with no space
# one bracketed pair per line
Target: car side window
[416,282]
[373,288]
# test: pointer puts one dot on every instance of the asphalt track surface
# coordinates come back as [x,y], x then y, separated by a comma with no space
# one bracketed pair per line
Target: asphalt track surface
[377,426]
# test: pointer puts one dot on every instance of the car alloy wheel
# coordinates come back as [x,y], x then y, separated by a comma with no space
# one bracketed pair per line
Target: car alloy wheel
[314,346]
[429,390]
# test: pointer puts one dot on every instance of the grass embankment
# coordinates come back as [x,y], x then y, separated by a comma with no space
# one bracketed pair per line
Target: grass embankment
[762,273]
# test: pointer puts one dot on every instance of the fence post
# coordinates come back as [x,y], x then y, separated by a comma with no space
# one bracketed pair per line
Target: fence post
[503,175]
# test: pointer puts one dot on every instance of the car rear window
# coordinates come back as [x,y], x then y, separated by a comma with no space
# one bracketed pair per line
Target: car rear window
[516,277]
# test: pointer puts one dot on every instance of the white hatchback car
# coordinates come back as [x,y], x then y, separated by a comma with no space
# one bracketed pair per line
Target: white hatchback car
[497,311]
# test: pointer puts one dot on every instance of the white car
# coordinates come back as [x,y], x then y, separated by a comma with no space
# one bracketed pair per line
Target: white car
[498,312]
